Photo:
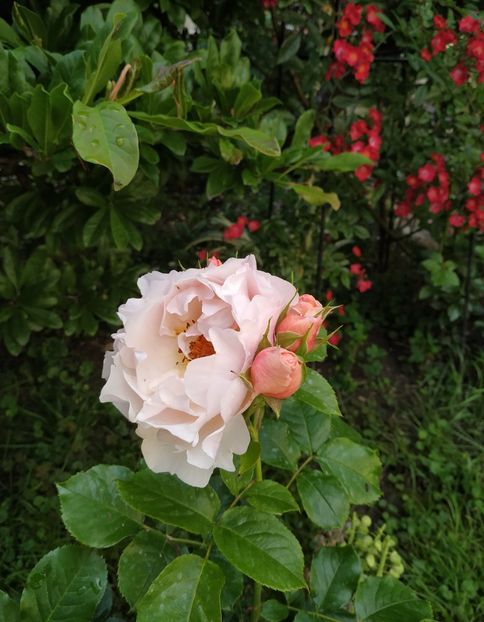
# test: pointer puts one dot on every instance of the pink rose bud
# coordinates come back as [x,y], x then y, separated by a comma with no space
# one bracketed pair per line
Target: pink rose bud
[301,319]
[276,372]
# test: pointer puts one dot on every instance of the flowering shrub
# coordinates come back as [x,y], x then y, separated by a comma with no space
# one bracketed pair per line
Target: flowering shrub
[203,359]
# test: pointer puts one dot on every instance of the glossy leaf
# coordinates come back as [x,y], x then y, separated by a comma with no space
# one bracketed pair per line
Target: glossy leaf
[49,117]
[92,509]
[334,576]
[318,393]
[271,497]
[323,498]
[106,135]
[278,448]
[384,599]
[187,590]
[355,466]
[169,500]
[315,195]
[141,562]
[261,547]
[274,611]
[309,427]
[343,162]
[65,586]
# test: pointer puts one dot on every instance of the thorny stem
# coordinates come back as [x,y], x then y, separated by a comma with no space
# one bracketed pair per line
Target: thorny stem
[257,597]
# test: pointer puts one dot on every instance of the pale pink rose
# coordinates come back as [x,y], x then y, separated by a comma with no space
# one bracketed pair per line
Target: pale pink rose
[176,365]
[276,372]
[304,318]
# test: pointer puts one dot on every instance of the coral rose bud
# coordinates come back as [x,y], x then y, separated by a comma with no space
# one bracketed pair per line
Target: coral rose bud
[276,372]
[302,320]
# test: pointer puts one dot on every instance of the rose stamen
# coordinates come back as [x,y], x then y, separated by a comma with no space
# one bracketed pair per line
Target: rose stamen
[200,347]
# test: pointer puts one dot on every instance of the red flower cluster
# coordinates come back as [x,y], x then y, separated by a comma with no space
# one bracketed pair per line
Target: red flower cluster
[359,55]
[474,204]
[431,183]
[473,42]
[359,130]
[269,4]
[235,230]
[202,254]
[363,283]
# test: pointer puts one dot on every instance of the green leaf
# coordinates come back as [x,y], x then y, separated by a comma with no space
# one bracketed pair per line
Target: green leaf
[334,576]
[254,138]
[234,481]
[187,590]
[247,97]
[342,163]
[261,547]
[106,135]
[278,448]
[66,586]
[8,34]
[272,497]
[355,466]
[309,427]
[289,48]
[92,509]
[30,24]
[318,393]
[141,562]
[323,498]
[248,460]
[234,581]
[304,125]
[169,500]
[49,117]
[387,600]
[274,611]
[315,195]
[9,610]
[95,227]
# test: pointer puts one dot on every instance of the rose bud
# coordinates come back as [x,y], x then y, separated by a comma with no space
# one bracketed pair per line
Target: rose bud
[276,372]
[303,319]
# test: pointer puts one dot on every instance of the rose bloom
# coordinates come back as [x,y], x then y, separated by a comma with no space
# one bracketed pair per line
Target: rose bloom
[176,364]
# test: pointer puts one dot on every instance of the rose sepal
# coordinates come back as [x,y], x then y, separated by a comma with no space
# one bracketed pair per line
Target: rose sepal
[274,404]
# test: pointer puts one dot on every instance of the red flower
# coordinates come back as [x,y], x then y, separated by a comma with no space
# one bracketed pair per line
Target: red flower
[469,25]
[358,129]
[242,221]
[459,74]
[352,12]
[412,181]
[233,232]
[341,310]
[344,27]
[474,186]
[320,141]
[402,210]
[363,172]
[356,250]
[376,116]
[420,200]
[374,141]
[329,295]
[202,254]
[444,179]
[269,4]
[442,39]
[427,173]
[439,160]
[364,285]
[426,55]
[475,47]
[439,22]
[456,220]
[372,17]
[357,269]
[335,70]
[253,226]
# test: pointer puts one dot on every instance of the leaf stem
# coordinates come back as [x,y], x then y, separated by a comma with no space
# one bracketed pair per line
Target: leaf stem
[257,597]
[315,614]
[175,539]
[383,558]
[303,466]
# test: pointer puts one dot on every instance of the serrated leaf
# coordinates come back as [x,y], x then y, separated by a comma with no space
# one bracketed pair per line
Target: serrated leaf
[274,611]
[106,135]
[335,572]
[355,466]
[318,393]
[323,498]
[169,500]
[272,497]
[141,562]
[187,590]
[384,599]
[65,586]
[309,427]
[92,508]
[261,547]
[278,448]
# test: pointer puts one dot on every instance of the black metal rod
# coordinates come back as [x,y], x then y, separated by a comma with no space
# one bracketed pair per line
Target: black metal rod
[319,262]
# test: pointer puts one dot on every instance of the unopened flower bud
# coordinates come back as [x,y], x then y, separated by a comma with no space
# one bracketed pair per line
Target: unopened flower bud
[276,372]
[304,320]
